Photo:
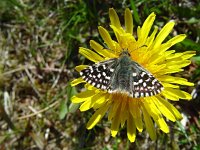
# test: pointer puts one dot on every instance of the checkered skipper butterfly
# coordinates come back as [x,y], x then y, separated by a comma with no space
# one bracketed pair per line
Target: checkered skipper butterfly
[122,75]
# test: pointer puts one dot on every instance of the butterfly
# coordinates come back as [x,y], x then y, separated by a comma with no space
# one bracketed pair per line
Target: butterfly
[122,75]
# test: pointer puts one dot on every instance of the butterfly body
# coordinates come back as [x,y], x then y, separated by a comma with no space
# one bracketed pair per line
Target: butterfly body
[122,75]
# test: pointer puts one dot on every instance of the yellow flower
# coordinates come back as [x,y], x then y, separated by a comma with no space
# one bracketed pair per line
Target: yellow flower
[150,51]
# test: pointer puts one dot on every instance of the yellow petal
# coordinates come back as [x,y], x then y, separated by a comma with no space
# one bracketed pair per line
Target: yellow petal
[89,87]
[163,34]
[164,110]
[77,81]
[123,116]
[177,39]
[146,28]
[151,108]
[118,35]
[124,40]
[170,107]
[169,52]
[139,32]
[156,59]
[164,47]
[106,37]
[83,96]
[90,102]
[177,63]
[156,69]
[131,130]
[176,55]
[149,124]
[138,123]
[80,67]
[114,18]
[152,37]
[96,117]
[172,42]
[188,54]
[179,93]
[169,95]
[176,80]
[101,101]
[86,105]
[90,54]
[100,49]
[128,21]
[114,108]
[115,124]
[162,125]
[134,109]
[170,85]
[171,70]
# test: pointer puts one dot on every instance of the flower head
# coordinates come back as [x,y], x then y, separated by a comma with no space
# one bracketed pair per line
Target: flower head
[151,52]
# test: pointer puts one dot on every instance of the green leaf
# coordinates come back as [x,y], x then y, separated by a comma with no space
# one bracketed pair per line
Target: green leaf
[15,3]
[73,107]
[135,13]
[196,59]
[193,20]
[64,109]
[191,45]
[181,127]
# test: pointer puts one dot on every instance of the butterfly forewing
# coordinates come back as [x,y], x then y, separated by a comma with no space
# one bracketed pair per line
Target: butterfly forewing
[99,75]
[122,75]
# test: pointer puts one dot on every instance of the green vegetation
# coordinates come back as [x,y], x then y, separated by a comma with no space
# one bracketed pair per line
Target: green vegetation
[39,42]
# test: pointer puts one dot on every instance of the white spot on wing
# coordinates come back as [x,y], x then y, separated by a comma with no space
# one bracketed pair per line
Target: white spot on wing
[136,94]
[142,94]
[154,81]
[99,75]
[134,74]
[143,73]
[140,81]
[108,77]
[111,70]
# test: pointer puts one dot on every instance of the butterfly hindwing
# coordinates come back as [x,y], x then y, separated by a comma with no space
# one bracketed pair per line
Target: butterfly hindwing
[144,83]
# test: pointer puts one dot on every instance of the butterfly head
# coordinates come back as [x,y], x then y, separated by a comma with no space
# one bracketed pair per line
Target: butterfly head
[124,52]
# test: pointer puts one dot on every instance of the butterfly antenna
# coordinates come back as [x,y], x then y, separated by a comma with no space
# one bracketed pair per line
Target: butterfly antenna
[138,48]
